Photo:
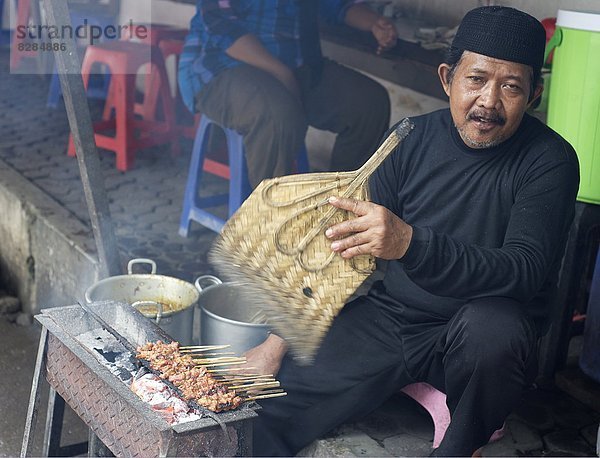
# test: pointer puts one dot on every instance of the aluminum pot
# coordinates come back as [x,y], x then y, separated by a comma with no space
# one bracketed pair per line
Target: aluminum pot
[169,301]
[224,317]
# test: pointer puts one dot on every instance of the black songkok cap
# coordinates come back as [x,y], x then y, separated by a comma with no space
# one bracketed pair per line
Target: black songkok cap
[503,33]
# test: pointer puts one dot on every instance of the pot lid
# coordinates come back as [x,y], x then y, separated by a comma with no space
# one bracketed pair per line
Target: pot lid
[579,20]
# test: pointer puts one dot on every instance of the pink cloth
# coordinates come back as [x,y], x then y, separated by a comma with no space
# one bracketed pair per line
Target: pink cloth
[434,401]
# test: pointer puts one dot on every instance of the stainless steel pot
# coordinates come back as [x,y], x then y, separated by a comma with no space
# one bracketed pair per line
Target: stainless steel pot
[224,317]
[167,300]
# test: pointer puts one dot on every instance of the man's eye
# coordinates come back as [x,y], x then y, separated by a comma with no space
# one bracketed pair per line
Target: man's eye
[475,79]
[513,87]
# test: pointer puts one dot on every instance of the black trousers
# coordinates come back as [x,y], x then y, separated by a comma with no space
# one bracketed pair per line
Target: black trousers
[482,359]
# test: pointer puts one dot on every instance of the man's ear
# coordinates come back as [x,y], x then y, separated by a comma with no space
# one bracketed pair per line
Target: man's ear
[537,93]
[443,73]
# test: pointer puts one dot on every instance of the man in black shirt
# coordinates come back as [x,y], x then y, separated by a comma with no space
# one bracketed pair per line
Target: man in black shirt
[472,212]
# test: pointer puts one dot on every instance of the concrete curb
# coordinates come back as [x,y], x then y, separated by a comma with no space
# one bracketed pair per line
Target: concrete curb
[47,255]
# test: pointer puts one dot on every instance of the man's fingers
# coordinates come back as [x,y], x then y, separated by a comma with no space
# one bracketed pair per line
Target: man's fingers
[358,207]
[347,227]
[355,251]
[352,241]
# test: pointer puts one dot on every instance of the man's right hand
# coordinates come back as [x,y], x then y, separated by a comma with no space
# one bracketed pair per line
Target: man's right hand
[385,33]
[265,359]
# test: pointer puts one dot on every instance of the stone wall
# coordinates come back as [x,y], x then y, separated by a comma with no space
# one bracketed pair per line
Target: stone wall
[45,254]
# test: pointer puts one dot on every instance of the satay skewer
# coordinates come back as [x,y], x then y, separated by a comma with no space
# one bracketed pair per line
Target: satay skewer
[233,381]
[265,396]
[232,363]
[230,369]
[221,358]
[211,361]
[203,348]
[228,354]
[255,386]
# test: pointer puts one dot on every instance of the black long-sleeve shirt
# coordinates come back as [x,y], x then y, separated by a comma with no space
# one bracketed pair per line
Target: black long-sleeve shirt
[486,222]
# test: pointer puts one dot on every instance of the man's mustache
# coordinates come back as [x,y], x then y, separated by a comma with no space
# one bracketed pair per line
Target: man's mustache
[487,116]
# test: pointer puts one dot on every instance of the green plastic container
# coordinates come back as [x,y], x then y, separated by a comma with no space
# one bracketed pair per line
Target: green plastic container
[574,99]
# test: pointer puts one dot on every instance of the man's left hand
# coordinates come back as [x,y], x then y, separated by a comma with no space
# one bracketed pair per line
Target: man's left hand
[375,231]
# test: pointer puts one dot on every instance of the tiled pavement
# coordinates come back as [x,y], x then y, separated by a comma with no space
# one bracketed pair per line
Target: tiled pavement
[145,204]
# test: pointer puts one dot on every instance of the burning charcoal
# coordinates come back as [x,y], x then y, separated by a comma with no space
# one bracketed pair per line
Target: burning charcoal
[110,356]
[123,374]
[162,399]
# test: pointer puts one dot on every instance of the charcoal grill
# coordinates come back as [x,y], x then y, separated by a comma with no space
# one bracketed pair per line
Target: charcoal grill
[122,421]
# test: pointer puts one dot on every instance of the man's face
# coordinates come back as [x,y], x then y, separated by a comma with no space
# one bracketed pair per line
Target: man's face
[488,97]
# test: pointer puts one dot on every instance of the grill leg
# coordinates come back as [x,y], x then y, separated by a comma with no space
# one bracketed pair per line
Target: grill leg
[34,397]
[96,447]
[54,416]
[54,423]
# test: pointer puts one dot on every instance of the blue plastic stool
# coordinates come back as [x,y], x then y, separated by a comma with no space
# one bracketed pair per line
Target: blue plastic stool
[95,91]
[194,207]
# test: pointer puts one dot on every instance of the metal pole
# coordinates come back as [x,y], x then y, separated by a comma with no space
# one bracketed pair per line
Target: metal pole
[34,397]
[80,122]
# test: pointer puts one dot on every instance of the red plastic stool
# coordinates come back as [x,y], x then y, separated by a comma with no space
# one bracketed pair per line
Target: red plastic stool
[155,33]
[434,401]
[123,60]
[169,40]
[168,48]
[187,125]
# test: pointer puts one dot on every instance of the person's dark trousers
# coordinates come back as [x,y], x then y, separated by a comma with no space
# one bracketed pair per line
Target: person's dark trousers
[350,104]
[481,358]
[274,123]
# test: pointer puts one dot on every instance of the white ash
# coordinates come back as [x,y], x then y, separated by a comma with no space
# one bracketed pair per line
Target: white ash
[110,352]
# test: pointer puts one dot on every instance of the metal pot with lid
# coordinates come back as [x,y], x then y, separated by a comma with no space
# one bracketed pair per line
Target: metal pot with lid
[167,300]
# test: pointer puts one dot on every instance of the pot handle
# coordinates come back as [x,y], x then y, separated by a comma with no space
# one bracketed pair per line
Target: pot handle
[159,308]
[131,263]
[211,279]
[555,41]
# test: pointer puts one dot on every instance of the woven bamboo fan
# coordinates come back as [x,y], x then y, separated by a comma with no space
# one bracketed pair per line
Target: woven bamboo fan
[274,248]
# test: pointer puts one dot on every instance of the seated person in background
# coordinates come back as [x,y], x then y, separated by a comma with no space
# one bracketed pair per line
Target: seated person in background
[472,212]
[257,68]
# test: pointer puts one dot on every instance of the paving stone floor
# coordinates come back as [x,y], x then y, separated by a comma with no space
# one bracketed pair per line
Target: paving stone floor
[145,203]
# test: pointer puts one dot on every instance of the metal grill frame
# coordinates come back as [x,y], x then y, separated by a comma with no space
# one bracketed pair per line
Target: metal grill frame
[124,423]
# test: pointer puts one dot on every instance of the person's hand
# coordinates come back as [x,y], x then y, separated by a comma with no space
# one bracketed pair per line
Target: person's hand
[250,50]
[265,359]
[385,33]
[375,231]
